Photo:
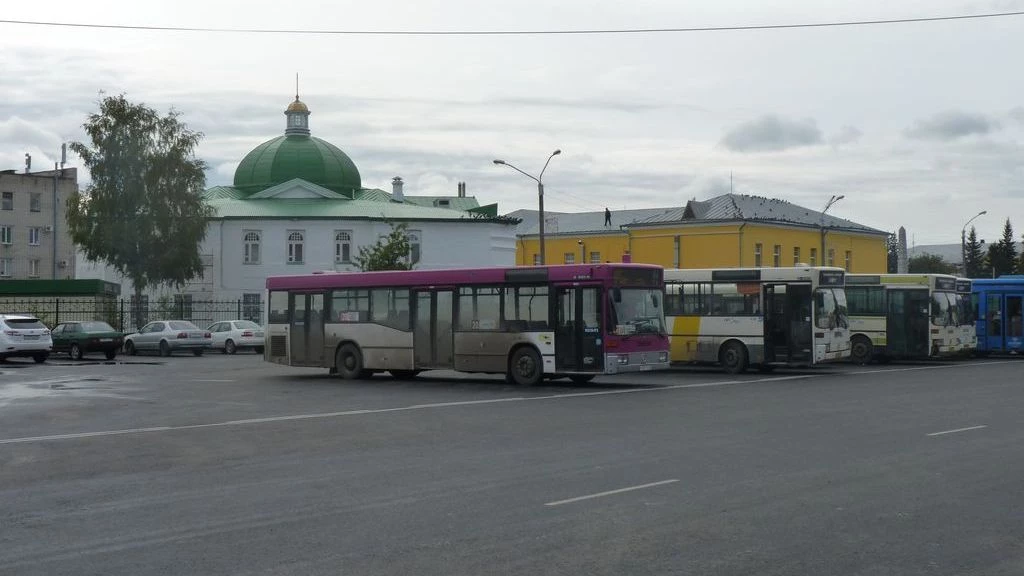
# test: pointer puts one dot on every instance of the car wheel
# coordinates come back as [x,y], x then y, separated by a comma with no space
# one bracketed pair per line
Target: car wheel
[733,357]
[349,362]
[197,352]
[525,367]
[75,352]
[129,348]
[40,358]
[165,348]
[111,354]
[229,346]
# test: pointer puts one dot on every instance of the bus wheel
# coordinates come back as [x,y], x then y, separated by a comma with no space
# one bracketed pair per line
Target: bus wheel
[404,374]
[733,357]
[526,367]
[860,350]
[349,362]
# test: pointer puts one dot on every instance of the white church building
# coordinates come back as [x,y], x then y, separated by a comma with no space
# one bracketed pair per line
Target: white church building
[297,205]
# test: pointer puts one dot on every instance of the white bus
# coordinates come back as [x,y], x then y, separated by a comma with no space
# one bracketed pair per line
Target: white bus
[757,316]
[909,316]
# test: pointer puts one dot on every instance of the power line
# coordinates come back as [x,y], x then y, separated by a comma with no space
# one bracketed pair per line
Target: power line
[594,31]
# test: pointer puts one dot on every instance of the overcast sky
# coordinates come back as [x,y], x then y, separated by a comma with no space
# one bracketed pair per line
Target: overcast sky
[917,125]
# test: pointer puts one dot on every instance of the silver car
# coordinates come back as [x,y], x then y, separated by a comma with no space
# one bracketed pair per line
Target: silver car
[166,336]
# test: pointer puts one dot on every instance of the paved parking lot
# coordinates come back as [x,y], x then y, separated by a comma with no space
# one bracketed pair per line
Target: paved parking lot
[229,465]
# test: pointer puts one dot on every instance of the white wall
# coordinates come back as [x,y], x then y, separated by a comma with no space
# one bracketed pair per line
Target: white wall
[459,244]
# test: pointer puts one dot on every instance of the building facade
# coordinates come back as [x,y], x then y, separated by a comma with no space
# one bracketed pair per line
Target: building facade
[34,239]
[731,230]
[297,205]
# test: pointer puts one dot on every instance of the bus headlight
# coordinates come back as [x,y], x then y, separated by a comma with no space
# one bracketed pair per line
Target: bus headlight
[623,359]
[663,357]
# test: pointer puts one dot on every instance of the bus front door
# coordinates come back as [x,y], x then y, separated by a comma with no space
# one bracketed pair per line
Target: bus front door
[907,322]
[432,329]
[993,332]
[307,329]
[578,329]
[787,323]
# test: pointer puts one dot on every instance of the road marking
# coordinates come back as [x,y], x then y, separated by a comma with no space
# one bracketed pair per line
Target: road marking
[209,380]
[957,430]
[323,415]
[939,367]
[611,492]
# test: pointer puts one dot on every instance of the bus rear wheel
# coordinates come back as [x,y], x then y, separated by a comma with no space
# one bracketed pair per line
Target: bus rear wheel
[349,362]
[525,367]
[733,357]
[860,350]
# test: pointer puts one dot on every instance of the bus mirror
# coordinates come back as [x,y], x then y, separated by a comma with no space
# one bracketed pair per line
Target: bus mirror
[654,300]
[616,295]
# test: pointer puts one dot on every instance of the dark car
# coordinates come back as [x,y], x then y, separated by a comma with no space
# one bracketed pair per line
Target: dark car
[81,338]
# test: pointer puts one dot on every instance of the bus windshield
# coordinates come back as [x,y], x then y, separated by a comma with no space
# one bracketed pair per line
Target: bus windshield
[637,311]
[944,309]
[830,308]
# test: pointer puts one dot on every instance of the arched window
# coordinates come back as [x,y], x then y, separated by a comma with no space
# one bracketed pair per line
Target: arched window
[251,247]
[296,252]
[342,247]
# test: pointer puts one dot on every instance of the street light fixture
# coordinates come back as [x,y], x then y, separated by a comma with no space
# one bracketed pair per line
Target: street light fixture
[831,201]
[963,242]
[540,195]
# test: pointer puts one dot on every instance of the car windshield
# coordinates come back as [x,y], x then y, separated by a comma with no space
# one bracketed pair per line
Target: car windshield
[182,325]
[96,327]
[246,325]
[24,323]
[637,311]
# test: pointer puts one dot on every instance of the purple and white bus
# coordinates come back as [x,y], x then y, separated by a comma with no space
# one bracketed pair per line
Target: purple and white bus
[526,322]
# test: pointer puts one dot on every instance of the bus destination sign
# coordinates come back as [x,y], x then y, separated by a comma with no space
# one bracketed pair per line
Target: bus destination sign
[648,277]
[832,278]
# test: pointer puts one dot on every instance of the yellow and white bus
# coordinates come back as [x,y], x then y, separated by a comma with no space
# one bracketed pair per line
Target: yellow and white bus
[757,316]
[908,316]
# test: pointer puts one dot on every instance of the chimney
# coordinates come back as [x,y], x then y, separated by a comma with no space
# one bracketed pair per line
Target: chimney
[462,190]
[396,190]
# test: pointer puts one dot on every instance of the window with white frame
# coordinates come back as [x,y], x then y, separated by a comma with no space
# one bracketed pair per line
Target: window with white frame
[414,237]
[296,247]
[796,255]
[536,259]
[33,268]
[251,307]
[343,246]
[6,233]
[5,267]
[7,203]
[831,256]
[849,261]
[814,256]
[595,257]
[251,247]
[777,256]
[33,236]
[570,257]
[757,255]
[35,202]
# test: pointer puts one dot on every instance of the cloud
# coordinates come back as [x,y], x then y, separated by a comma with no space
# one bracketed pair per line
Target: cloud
[846,135]
[1017,114]
[771,133]
[951,125]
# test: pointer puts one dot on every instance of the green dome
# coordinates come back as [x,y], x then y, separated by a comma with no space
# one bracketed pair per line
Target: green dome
[297,156]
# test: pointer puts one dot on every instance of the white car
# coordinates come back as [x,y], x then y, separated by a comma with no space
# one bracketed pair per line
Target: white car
[166,336]
[25,336]
[231,336]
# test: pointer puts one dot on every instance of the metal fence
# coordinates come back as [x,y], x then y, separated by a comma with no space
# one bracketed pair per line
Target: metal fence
[126,314]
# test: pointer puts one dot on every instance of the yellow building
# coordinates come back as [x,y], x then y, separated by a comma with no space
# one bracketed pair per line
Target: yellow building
[725,231]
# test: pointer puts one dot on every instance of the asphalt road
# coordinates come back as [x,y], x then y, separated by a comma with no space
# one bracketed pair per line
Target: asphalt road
[228,465]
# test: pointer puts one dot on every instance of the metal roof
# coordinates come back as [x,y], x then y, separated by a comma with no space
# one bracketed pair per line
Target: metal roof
[580,222]
[743,207]
[328,208]
[454,202]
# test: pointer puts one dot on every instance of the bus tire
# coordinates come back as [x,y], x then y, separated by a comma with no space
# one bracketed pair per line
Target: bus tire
[860,349]
[349,362]
[525,366]
[733,357]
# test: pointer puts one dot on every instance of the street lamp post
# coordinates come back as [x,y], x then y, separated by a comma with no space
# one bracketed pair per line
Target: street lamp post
[831,201]
[540,195]
[963,242]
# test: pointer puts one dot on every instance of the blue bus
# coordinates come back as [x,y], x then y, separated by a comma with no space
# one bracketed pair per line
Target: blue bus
[999,305]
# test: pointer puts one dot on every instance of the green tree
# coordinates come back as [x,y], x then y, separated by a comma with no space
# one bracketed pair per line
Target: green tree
[143,212]
[1002,256]
[929,264]
[391,252]
[892,253]
[974,257]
